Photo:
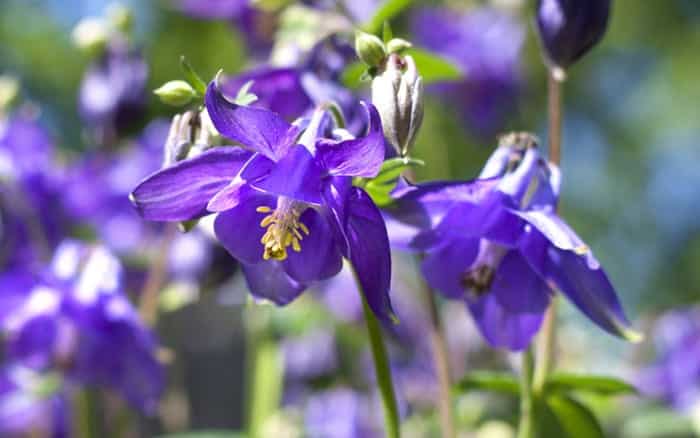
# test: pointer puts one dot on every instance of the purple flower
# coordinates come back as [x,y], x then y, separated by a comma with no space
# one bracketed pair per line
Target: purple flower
[77,322]
[213,8]
[497,244]
[486,44]
[112,93]
[310,355]
[569,28]
[286,208]
[340,413]
[675,375]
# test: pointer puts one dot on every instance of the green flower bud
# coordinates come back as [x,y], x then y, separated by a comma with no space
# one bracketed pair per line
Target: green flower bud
[9,89]
[370,49]
[120,17]
[398,45]
[90,35]
[176,93]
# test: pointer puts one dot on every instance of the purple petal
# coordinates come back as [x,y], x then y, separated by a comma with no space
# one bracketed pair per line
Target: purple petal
[517,287]
[357,157]
[239,230]
[231,195]
[258,129]
[557,254]
[368,247]
[269,281]
[319,257]
[181,192]
[295,176]
[444,267]
[501,327]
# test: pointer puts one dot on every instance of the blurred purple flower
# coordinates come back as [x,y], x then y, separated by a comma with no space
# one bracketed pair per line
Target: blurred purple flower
[284,195]
[340,413]
[77,322]
[498,247]
[112,93]
[310,355]
[674,377]
[486,44]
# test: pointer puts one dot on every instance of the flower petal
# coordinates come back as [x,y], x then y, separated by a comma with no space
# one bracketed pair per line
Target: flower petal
[557,254]
[181,192]
[517,287]
[501,327]
[357,157]
[231,195]
[319,257]
[239,230]
[295,176]
[269,281]
[444,267]
[257,129]
[368,251]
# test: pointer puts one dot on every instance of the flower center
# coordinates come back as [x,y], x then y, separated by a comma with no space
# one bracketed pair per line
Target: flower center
[284,229]
[478,278]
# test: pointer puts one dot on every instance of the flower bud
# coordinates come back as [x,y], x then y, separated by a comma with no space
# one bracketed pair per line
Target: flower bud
[397,45]
[90,35]
[569,29]
[176,93]
[120,17]
[9,89]
[370,49]
[397,92]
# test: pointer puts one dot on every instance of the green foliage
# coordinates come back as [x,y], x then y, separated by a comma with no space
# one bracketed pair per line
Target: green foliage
[380,187]
[192,77]
[565,382]
[385,12]
[573,419]
[504,383]
[658,423]
[434,68]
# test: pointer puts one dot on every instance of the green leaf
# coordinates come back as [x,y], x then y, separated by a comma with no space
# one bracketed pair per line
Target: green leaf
[192,77]
[575,419]
[564,382]
[385,12]
[489,381]
[434,68]
[658,423]
[387,33]
[205,434]
[353,75]
[380,187]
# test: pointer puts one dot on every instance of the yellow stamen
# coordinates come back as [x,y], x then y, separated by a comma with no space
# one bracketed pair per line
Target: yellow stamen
[284,229]
[263,209]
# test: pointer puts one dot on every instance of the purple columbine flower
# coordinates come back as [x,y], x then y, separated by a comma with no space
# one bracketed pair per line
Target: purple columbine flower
[112,93]
[76,322]
[674,377]
[498,244]
[568,29]
[286,208]
[486,44]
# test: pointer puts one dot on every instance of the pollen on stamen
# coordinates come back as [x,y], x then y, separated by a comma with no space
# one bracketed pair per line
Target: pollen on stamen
[263,209]
[283,229]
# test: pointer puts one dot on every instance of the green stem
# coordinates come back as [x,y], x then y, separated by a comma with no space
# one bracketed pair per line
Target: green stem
[526,427]
[87,416]
[381,368]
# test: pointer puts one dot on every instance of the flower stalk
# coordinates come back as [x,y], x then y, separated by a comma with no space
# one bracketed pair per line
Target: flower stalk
[381,368]
[526,426]
[156,277]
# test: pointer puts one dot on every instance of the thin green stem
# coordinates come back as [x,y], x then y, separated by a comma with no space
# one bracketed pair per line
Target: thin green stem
[87,420]
[526,427]
[381,369]
[545,348]
[156,277]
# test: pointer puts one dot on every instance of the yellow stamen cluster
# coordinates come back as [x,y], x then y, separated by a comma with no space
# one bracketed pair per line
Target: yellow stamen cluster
[284,229]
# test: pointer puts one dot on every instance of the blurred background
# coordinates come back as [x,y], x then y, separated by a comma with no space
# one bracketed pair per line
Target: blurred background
[630,159]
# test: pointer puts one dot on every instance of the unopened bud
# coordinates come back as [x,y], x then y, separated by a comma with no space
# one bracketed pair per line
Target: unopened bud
[9,89]
[90,35]
[397,45]
[569,29]
[397,93]
[370,49]
[120,17]
[176,93]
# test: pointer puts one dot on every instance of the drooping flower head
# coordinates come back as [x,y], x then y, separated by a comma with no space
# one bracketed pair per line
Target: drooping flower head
[568,29]
[497,244]
[284,201]
[75,326]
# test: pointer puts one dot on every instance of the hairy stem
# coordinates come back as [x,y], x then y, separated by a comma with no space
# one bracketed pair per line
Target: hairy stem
[381,369]
[156,277]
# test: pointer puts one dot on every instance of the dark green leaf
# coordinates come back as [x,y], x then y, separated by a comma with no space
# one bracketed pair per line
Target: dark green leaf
[192,77]
[489,381]
[385,12]
[575,419]
[434,68]
[564,382]
[387,33]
